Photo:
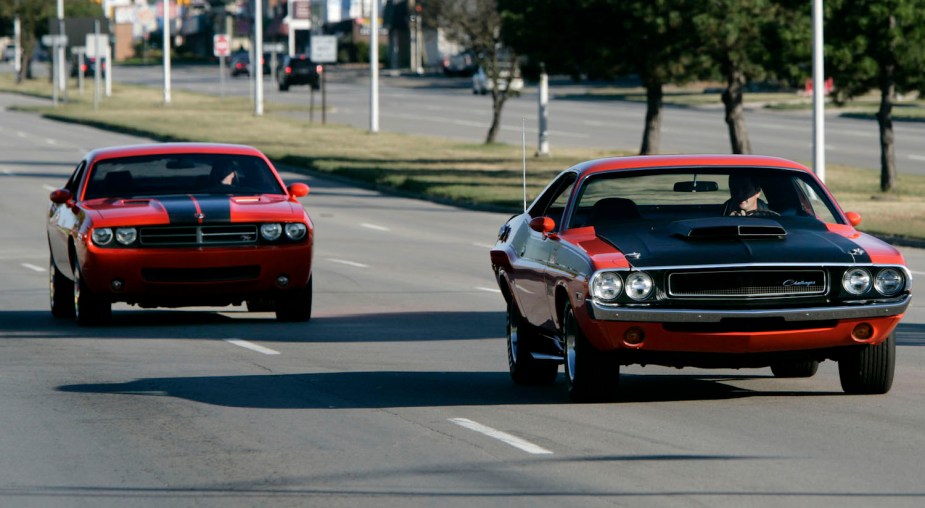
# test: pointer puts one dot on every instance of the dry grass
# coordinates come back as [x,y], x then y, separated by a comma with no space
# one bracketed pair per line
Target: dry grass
[472,175]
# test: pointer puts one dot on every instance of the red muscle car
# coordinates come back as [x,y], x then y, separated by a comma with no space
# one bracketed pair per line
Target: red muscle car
[175,225]
[712,261]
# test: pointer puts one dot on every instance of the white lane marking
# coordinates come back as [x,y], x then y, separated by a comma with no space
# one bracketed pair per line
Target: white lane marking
[253,347]
[917,157]
[916,273]
[375,227]
[51,141]
[21,134]
[485,245]
[32,267]
[490,290]
[348,263]
[49,187]
[504,437]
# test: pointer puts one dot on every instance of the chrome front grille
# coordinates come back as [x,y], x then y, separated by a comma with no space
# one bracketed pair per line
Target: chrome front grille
[747,283]
[172,236]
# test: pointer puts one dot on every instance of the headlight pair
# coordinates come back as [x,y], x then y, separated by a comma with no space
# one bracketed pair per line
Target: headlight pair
[607,286]
[887,282]
[273,231]
[123,236]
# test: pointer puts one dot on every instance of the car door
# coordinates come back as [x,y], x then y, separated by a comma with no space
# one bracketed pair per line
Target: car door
[530,277]
[63,219]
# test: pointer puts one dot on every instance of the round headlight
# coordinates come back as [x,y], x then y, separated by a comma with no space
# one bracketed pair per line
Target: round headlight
[606,286]
[295,230]
[126,236]
[271,231]
[889,282]
[102,236]
[856,281]
[639,285]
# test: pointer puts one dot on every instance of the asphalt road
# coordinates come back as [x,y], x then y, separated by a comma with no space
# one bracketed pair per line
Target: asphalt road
[397,392]
[445,107]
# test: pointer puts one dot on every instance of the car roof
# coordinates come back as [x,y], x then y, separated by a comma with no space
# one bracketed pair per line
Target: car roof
[171,148]
[683,161]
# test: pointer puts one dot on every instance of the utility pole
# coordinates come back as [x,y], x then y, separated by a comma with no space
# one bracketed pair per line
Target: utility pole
[59,50]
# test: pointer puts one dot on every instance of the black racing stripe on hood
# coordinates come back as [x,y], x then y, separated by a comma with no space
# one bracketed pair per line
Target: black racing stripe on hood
[180,209]
[186,209]
[215,208]
[804,243]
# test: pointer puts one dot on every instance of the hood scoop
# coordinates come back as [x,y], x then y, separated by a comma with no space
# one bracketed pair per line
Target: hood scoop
[728,228]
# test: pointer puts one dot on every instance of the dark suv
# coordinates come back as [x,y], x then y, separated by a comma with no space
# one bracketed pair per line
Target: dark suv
[298,70]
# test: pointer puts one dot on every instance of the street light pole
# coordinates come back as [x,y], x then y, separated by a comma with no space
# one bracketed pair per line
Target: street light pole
[818,93]
[166,47]
[257,62]
[59,49]
[374,68]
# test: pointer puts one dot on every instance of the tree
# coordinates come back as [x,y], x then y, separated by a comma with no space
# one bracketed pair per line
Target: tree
[33,17]
[476,25]
[741,39]
[877,44]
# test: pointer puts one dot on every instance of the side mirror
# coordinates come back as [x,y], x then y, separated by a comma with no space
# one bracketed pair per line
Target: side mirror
[298,190]
[542,224]
[854,218]
[60,196]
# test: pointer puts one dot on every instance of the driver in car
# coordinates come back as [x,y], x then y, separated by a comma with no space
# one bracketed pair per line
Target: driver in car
[744,200]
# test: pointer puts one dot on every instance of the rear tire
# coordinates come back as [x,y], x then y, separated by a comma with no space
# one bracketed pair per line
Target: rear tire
[89,309]
[295,305]
[590,376]
[795,369]
[869,370]
[60,292]
[526,370]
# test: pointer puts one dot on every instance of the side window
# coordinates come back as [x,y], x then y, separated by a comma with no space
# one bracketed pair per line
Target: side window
[552,203]
[73,183]
[813,204]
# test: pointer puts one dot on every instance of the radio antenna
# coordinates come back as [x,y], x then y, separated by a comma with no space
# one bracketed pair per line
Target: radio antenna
[523,133]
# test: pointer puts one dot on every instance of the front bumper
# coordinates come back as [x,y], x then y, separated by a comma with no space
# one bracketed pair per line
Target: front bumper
[185,276]
[647,314]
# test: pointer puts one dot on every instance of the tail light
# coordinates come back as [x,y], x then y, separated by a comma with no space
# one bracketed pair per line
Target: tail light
[319,69]
[288,70]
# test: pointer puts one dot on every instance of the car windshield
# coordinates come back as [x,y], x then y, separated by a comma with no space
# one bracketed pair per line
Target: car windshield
[676,194]
[158,175]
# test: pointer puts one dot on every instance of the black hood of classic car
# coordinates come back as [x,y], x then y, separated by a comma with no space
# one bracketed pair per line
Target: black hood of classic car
[731,240]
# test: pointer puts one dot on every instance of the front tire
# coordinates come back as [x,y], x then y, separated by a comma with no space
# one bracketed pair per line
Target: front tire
[869,370]
[295,305]
[590,376]
[89,309]
[60,292]
[525,370]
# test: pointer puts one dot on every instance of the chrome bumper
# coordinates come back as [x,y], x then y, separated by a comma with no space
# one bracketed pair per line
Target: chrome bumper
[646,314]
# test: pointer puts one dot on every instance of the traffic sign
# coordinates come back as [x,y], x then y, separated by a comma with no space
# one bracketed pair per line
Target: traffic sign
[96,44]
[54,40]
[221,45]
[324,48]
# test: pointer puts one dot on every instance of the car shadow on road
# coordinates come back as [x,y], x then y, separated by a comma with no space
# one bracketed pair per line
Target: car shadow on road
[193,324]
[392,389]
[910,334]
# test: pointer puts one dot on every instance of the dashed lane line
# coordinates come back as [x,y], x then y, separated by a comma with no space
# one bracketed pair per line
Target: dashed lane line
[32,267]
[253,347]
[490,290]
[374,227]
[348,263]
[504,437]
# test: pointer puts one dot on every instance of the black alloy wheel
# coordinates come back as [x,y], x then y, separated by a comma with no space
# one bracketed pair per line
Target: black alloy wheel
[89,309]
[60,292]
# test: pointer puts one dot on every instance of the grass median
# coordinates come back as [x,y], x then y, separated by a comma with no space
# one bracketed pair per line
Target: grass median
[466,174]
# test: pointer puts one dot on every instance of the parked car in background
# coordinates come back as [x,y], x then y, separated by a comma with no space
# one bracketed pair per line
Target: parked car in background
[87,67]
[178,225]
[461,64]
[508,78]
[239,63]
[298,70]
[655,261]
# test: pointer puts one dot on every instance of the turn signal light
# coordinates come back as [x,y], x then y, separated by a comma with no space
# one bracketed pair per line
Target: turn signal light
[634,336]
[862,332]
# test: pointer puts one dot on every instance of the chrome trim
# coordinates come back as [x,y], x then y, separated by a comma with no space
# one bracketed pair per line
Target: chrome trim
[639,314]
